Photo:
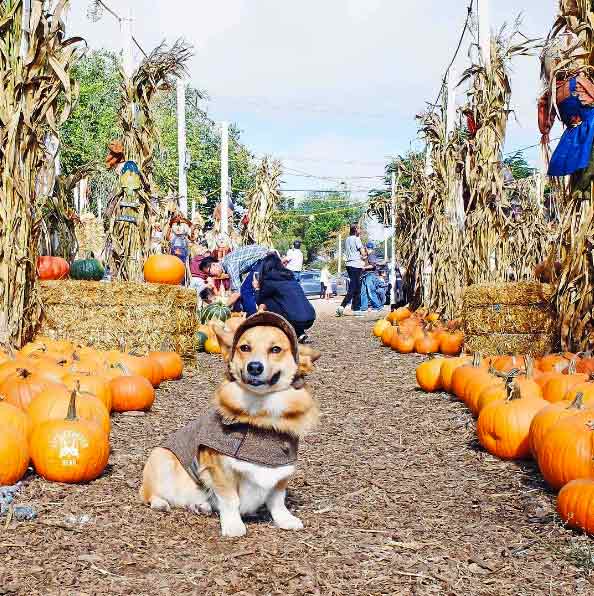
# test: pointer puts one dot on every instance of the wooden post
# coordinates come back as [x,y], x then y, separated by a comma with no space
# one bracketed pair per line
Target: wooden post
[393,221]
[181,148]
[224,177]
[484,32]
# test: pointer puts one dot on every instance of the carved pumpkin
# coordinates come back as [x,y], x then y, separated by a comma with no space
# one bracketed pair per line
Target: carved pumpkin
[52,268]
[14,456]
[70,449]
[428,374]
[503,427]
[164,269]
[567,450]
[171,363]
[53,404]
[131,393]
[575,504]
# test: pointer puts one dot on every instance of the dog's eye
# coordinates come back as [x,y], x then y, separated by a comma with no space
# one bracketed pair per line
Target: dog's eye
[276,350]
[245,348]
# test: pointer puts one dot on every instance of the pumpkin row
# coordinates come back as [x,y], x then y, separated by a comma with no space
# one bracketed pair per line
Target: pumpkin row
[541,409]
[55,405]
[163,269]
[421,332]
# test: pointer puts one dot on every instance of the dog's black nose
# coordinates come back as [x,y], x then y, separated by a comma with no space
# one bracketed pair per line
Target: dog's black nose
[255,368]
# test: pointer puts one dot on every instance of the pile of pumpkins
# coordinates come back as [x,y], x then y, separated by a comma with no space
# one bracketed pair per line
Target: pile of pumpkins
[526,408]
[55,404]
[216,314]
[421,331]
[161,269]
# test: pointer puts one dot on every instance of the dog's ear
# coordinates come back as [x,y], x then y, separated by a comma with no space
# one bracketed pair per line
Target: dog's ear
[225,339]
[307,358]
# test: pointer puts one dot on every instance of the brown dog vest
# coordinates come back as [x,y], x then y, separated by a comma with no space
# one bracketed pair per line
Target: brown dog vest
[240,441]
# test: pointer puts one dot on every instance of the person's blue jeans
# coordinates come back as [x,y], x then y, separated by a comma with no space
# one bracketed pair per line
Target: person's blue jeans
[248,294]
[369,295]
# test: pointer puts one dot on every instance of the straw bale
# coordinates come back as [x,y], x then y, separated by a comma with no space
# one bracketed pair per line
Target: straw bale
[140,316]
[523,292]
[90,235]
[506,318]
[536,344]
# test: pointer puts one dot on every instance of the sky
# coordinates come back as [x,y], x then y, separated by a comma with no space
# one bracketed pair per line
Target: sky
[331,87]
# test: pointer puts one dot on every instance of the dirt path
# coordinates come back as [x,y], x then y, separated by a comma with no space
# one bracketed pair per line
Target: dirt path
[395,494]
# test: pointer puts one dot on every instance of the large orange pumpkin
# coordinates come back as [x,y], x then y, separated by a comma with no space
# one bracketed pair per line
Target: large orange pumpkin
[71,449]
[164,269]
[428,374]
[553,362]
[507,363]
[585,389]
[52,268]
[22,387]
[557,387]
[464,373]
[575,504]
[548,417]
[171,363]
[567,450]
[477,387]
[53,404]
[15,418]
[14,456]
[132,365]
[92,384]
[131,393]
[448,367]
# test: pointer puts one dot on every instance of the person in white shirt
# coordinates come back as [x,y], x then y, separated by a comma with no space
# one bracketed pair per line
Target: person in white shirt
[293,260]
[325,288]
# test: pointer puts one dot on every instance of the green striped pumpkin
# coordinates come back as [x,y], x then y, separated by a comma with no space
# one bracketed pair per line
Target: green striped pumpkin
[216,311]
[87,269]
[201,338]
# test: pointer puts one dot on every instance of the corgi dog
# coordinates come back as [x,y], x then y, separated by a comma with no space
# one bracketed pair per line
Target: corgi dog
[242,453]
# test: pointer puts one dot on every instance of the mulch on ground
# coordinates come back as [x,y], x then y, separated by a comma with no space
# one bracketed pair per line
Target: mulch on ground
[396,495]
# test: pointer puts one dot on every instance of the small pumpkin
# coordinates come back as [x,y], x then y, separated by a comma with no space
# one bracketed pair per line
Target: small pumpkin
[131,393]
[387,336]
[14,456]
[22,387]
[575,504]
[201,338]
[92,384]
[164,269]
[171,363]
[464,373]
[211,346]
[71,449]
[215,312]
[477,386]
[428,374]
[52,268]
[427,344]
[503,427]
[399,314]
[559,385]
[567,450]
[451,343]
[506,363]
[402,342]
[88,269]
[379,327]
[585,389]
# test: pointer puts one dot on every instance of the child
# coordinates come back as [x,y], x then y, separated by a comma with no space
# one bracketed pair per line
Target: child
[325,283]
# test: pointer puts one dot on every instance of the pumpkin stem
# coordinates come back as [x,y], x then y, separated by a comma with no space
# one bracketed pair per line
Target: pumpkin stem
[529,366]
[513,391]
[571,367]
[23,373]
[577,403]
[72,406]
[476,359]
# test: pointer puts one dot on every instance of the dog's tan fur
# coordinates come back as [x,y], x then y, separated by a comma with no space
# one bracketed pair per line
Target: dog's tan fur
[234,487]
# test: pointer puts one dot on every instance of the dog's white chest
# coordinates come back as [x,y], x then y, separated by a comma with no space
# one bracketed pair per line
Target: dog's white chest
[257,482]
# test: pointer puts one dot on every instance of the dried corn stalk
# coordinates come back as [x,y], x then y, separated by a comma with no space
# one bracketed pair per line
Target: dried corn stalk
[36,96]
[262,203]
[128,243]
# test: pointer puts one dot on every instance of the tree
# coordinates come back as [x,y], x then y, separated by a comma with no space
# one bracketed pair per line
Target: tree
[518,166]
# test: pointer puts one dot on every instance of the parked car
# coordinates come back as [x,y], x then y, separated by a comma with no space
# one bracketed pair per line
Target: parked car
[310,282]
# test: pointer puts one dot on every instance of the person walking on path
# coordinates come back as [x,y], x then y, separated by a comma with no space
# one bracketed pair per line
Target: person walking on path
[354,253]
[325,288]
[243,261]
[293,261]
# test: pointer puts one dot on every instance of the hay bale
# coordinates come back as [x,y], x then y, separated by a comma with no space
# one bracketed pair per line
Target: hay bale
[90,235]
[141,316]
[510,318]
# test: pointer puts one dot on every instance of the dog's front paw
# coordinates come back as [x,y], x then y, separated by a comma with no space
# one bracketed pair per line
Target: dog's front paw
[233,529]
[288,522]
[201,508]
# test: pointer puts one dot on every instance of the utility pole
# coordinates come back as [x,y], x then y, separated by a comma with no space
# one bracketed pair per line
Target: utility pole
[484,32]
[393,221]
[181,148]
[224,177]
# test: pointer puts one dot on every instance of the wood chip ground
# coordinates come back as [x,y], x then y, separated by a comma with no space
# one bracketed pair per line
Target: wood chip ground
[395,493]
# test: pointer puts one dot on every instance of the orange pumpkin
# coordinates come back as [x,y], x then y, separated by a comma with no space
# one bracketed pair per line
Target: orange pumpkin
[71,449]
[52,268]
[477,387]
[399,314]
[585,389]
[567,450]
[553,362]
[402,342]
[158,374]
[507,363]
[171,363]
[503,427]
[15,418]
[557,387]
[92,384]
[22,387]
[427,344]
[131,393]
[528,386]
[575,504]
[548,417]
[53,404]
[50,371]
[428,374]
[464,373]
[451,343]
[387,336]
[379,327]
[164,269]
[132,365]
[14,456]
[448,367]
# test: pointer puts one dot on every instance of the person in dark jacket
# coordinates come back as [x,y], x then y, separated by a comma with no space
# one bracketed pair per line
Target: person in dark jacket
[278,290]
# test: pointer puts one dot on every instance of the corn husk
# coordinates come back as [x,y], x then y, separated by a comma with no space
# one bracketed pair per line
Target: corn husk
[138,316]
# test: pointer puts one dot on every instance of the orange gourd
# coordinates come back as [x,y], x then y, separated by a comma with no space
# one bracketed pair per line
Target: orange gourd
[70,449]
[428,374]
[477,386]
[387,336]
[131,393]
[164,269]
[463,374]
[399,314]
[171,363]
[380,326]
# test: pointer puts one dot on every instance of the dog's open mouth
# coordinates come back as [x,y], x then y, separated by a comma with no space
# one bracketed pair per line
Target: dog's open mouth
[253,382]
